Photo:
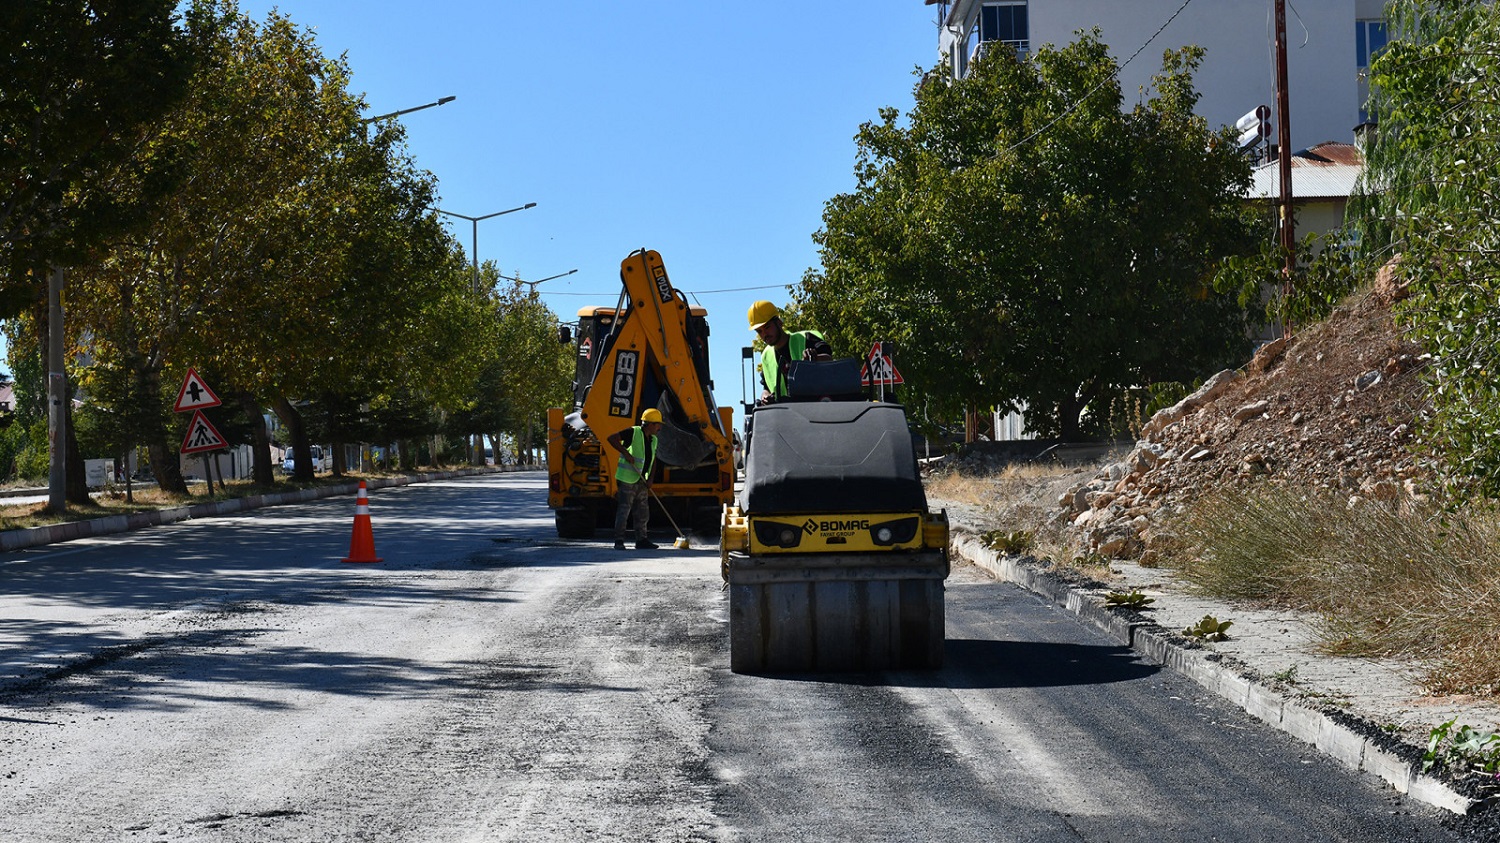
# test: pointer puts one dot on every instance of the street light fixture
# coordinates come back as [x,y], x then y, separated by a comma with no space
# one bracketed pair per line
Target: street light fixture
[531,285]
[478,454]
[443,101]
[474,250]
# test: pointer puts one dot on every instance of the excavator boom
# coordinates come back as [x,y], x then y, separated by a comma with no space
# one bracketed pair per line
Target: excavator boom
[651,350]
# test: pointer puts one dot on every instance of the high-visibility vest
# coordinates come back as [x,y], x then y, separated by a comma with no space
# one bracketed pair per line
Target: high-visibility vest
[623,472]
[771,370]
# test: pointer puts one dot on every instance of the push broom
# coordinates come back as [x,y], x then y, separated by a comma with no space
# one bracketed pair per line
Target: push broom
[682,542]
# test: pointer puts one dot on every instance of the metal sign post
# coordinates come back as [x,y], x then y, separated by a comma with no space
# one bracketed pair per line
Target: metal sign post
[880,369]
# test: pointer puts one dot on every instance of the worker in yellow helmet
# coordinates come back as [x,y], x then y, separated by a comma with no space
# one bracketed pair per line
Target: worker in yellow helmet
[637,447]
[782,347]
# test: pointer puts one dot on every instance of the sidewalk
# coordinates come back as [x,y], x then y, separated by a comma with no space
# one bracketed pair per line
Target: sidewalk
[1369,715]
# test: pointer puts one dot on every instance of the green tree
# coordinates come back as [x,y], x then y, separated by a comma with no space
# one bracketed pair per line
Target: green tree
[298,257]
[1025,242]
[124,409]
[1433,198]
[83,83]
[226,248]
[23,453]
[532,370]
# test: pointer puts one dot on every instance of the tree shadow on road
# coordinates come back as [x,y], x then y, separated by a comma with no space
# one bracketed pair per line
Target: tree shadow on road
[227,666]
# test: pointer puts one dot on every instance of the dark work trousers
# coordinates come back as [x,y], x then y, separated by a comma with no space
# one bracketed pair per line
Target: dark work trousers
[633,500]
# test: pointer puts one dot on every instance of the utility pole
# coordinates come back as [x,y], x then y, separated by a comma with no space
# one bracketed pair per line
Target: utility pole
[1284,153]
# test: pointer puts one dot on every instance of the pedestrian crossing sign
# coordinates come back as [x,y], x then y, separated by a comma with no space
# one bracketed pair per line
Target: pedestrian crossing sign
[202,435]
[194,394]
[880,367]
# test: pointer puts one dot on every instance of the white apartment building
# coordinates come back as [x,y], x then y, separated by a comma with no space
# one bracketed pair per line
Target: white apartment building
[1329,43]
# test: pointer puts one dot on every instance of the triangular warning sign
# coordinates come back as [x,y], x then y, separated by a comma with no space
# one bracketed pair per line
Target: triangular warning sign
[879,368]
[195,394]
[202,435]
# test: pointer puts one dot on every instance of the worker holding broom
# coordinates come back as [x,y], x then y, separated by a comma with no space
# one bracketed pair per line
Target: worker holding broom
[637,447]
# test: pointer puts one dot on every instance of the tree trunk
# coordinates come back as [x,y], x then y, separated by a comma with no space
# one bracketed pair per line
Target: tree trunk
[1070,412]
[165,467]
[301,454]
[74,470]
[340,460]
[260,447]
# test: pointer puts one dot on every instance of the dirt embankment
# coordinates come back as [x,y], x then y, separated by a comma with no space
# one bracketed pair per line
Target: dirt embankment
[1331,407]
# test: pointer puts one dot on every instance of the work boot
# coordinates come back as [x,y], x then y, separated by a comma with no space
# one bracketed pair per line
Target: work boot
[646,544]
[619,545]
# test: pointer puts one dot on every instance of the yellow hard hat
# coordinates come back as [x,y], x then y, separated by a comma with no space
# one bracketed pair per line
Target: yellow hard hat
[651,415]
[760,313]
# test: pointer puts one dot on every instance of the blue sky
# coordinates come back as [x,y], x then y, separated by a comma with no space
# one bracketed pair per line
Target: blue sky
[711,132]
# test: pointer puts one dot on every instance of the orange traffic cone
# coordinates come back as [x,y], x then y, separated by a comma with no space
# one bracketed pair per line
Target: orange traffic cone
[362,543]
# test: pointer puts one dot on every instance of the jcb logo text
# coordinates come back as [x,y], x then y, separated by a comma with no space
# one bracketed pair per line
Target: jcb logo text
[622,396]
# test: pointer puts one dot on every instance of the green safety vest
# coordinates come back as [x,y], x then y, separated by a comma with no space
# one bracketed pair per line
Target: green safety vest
[770,369]
[623,472]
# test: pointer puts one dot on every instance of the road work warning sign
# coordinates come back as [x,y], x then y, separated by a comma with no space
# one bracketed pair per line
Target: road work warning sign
[880,367]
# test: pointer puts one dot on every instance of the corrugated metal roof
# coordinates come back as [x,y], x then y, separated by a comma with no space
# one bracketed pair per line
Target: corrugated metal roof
[1326,171]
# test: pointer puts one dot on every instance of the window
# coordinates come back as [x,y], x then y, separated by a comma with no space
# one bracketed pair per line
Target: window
[1369,38]
[1006,22]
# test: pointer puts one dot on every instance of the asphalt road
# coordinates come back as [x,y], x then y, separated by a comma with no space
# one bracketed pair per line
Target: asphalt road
[230,680]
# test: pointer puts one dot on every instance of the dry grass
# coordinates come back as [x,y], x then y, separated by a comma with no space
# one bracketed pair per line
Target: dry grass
[1409,581]
[1010,483]
[964,488]
[112,501]
[1021,498]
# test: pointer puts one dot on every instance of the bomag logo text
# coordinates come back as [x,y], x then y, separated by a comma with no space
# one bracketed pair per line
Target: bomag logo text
[663,286]
[622,394]
[835,526]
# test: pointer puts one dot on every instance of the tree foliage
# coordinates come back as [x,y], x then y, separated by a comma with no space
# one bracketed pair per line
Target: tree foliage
[297,256]
[1027,243]
[1433,198]
[81,84]
[1326,269]
[278,242]
[533,370]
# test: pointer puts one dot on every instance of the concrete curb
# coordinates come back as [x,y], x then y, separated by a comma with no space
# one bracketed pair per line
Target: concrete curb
[52,533]
[1330,737]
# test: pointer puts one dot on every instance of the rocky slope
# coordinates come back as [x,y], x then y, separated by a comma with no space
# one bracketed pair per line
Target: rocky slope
[1330,408]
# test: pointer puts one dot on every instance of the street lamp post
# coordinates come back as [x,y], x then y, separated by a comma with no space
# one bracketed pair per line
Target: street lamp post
[531,292]
[531,285]
[443,101]
[478,453]
[474,246]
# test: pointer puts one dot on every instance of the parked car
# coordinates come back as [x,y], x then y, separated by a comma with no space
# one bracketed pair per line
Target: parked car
[320,460]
